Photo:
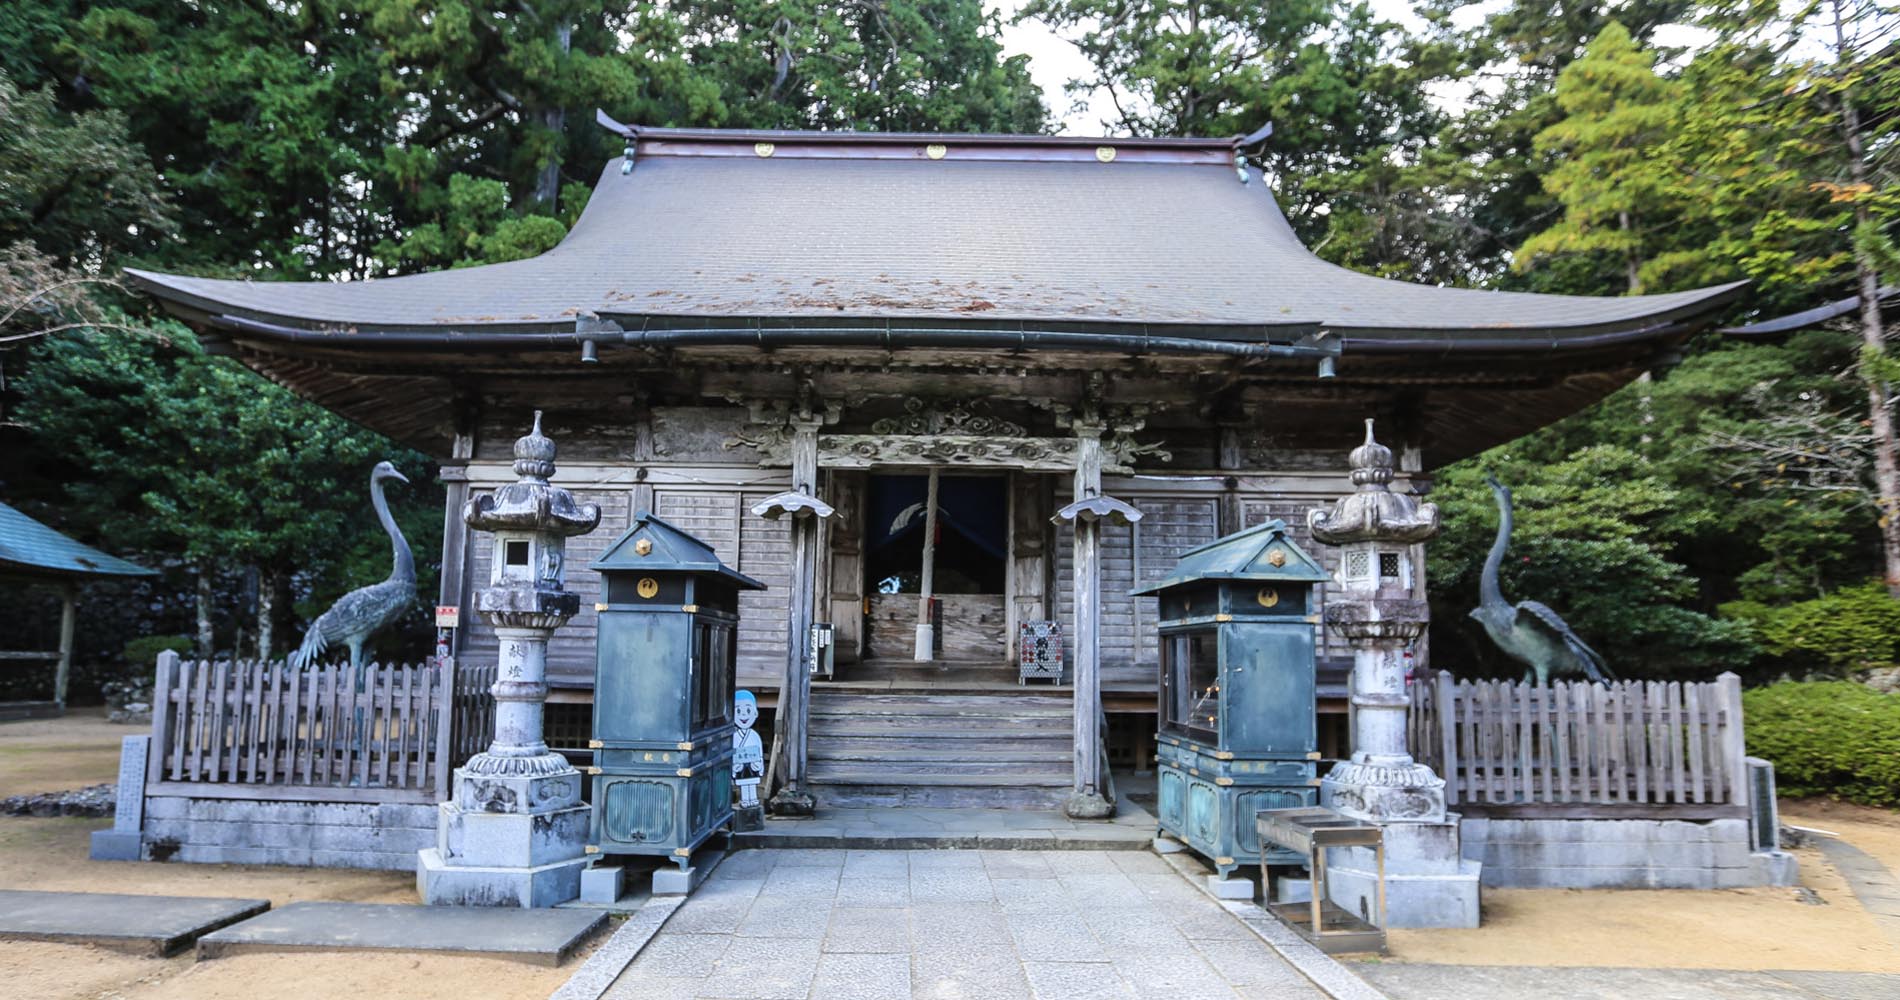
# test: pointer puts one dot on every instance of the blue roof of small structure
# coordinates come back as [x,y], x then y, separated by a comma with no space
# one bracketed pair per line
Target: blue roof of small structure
[1245,555]
[29,548]
[673,551]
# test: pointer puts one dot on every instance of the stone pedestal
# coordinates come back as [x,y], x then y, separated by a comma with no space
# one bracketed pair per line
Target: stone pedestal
[508,840]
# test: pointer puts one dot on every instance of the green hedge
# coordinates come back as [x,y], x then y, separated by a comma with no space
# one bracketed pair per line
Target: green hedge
[1834,738]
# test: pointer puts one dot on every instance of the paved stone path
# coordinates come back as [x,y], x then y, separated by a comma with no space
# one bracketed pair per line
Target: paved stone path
[954,925]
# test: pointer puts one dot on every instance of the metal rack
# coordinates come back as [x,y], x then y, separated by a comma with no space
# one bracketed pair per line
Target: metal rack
[1310,832]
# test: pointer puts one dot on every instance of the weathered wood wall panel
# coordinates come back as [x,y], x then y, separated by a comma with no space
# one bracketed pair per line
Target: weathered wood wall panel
[973,627]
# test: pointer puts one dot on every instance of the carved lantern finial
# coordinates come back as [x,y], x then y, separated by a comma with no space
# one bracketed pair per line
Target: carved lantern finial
[1374,513]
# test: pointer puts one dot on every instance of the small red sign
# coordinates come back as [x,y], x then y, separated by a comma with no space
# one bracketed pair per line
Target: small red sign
[448,616]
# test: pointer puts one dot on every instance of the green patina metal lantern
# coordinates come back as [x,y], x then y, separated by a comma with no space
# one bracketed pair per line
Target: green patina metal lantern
[1236,731]
[665,659]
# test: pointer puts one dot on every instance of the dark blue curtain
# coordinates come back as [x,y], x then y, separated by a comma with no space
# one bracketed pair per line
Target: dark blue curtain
[975,507]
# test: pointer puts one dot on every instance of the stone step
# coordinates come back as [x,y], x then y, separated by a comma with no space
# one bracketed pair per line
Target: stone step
[941,704]
[898,770]
[1053,736]
[1011,795]
[847,750]
[883,776]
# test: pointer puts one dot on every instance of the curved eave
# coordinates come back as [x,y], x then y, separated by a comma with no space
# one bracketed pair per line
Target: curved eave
[1674,320]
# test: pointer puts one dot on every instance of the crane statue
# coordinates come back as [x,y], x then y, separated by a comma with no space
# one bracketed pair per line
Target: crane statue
[1530,633]
[365,611]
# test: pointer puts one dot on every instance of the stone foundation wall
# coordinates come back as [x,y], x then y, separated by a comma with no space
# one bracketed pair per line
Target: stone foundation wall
[1620,854]
[307,834]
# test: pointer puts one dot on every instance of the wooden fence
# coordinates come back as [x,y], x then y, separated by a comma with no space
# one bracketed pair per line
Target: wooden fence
[247,729]
[1577,749]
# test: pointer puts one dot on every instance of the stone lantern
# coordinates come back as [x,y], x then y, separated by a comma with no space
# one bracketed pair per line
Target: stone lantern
[1378,611]
[514,832]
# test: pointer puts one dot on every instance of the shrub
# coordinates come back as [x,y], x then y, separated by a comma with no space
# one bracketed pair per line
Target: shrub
[1834,738]
[1849,628]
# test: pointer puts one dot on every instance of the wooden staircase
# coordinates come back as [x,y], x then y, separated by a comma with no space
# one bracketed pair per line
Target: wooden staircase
[997,749]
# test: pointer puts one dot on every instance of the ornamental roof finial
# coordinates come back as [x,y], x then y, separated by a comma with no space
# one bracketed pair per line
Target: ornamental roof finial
[534,454]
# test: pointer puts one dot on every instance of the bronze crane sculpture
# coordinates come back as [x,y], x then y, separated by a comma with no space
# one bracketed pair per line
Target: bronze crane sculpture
[1530,633]
[365,611]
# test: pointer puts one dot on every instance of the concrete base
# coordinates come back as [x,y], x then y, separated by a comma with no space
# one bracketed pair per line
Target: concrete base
[143,925]
[543,937]
[1292,890]
[1412,899]
[1230,888]
[1775,868]
[503,840]
[1084,805]
[440,883]
[602,884]
[671,880]
[383,836]
[1168,845]
[116,845]
[1619,854]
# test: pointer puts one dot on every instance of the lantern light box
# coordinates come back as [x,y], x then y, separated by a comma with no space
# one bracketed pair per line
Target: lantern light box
[665,660]
[1236,728]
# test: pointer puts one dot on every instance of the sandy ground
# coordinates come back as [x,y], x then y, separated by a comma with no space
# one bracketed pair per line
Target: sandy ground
[1746,929]
[50,854]
[52,755]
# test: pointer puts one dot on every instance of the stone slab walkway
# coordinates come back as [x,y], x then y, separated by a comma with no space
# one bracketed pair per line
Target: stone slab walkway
[1403,981]
[954,925]
[542,937]
[911,828]
[148,925]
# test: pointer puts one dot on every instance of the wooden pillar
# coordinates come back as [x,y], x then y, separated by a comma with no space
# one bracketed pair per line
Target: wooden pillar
[795,799]
[452,592]
[926,635]
[68,611]
[1086,800]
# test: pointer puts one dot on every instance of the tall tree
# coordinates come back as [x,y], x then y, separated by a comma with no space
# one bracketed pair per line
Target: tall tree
[1513,58]
[1608,176]
[1798,163]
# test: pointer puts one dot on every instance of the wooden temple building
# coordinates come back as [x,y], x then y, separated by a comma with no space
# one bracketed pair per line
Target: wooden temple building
[1037,318]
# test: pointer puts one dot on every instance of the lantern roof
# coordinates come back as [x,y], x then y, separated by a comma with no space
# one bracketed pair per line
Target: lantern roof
[532,503]
[1373,513]
[1263,553]
[651,545]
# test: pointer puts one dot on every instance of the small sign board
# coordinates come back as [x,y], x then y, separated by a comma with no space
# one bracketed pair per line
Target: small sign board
[448,616]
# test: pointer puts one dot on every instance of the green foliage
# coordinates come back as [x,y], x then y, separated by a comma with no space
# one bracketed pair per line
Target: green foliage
[1853,627]
[1596,539]
[475,227]
[169,451]
[1834,738]
[73,186]
[1618,114]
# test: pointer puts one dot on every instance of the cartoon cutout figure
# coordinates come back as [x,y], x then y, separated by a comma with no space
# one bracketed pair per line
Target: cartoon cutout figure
[748,755]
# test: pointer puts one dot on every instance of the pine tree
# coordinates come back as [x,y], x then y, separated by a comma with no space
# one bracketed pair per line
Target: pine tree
[1610,176]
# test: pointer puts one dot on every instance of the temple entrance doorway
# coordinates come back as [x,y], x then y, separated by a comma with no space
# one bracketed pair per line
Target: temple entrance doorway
[963,565]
